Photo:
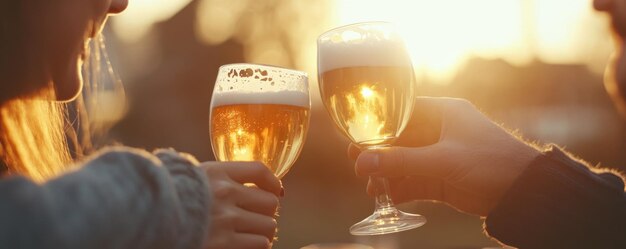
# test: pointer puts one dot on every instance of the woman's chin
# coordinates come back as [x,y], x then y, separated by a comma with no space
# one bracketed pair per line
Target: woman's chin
[65,95]
[69,88]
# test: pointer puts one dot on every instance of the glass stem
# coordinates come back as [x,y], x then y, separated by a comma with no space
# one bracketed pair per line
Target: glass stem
[381,188]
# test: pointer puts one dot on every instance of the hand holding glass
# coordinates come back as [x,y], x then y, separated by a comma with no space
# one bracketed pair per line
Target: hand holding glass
[367,85]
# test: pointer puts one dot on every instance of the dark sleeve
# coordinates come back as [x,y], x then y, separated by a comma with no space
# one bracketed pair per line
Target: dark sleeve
[558,202]
[122,198]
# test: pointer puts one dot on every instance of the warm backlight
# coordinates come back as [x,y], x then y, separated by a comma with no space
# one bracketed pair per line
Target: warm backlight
[441,35]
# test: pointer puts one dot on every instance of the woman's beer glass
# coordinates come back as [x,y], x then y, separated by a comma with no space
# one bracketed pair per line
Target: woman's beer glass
[260,113]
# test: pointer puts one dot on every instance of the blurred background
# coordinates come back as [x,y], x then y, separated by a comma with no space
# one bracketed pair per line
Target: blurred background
[535,66]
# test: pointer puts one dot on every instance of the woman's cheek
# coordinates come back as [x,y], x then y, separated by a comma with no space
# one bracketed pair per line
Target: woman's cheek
[65,65]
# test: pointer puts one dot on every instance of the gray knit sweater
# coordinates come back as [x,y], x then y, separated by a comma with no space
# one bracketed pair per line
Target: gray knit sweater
[119,198]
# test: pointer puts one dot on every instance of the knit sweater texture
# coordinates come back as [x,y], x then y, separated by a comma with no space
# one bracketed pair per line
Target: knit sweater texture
[119,198]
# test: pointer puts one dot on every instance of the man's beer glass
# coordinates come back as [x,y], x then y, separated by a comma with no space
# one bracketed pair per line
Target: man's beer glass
[260,113]
[367,85]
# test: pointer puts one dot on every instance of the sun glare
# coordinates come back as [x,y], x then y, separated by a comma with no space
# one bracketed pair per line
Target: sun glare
[442,34]
[366,92]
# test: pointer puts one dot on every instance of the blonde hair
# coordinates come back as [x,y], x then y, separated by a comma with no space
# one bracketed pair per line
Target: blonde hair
[36,133]
[32,137]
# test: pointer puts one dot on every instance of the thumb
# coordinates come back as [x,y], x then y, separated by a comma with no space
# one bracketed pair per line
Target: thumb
[428,161]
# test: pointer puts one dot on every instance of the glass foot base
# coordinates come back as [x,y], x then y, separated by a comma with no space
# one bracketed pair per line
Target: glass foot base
[387,220]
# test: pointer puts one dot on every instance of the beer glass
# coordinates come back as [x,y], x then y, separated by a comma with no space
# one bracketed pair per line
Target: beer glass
[260,113]
[367,85]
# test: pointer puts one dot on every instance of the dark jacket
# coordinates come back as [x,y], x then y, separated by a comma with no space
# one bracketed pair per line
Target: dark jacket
[559,202]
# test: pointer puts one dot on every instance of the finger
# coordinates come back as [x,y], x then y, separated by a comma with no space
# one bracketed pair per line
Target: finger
[253,172]
[432,161]
[353,151]
[253,223]
[258,201]
[246,240]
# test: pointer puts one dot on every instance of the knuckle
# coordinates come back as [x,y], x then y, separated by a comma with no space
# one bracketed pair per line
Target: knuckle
[224,220]
[208,170]
[229,218]
[223,190]
[214,172]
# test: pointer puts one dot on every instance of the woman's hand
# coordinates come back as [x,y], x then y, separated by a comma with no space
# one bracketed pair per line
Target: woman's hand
[449,152]
[241,216]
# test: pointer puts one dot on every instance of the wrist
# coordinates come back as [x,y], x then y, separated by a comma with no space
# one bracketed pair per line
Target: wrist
[522,155]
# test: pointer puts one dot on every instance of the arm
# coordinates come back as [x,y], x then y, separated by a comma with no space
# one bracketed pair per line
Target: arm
[558,202]
[122,198]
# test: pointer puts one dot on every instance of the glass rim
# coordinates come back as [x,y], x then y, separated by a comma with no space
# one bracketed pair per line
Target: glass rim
[335,29]
[266,66]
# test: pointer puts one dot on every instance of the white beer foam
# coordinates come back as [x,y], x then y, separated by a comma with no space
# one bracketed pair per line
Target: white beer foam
[361,52]
[293,98]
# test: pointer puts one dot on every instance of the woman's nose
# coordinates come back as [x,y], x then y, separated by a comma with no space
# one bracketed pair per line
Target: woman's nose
[117,6]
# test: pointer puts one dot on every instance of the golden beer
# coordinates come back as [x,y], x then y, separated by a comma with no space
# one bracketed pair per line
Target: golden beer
[369,103]
[270,133]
